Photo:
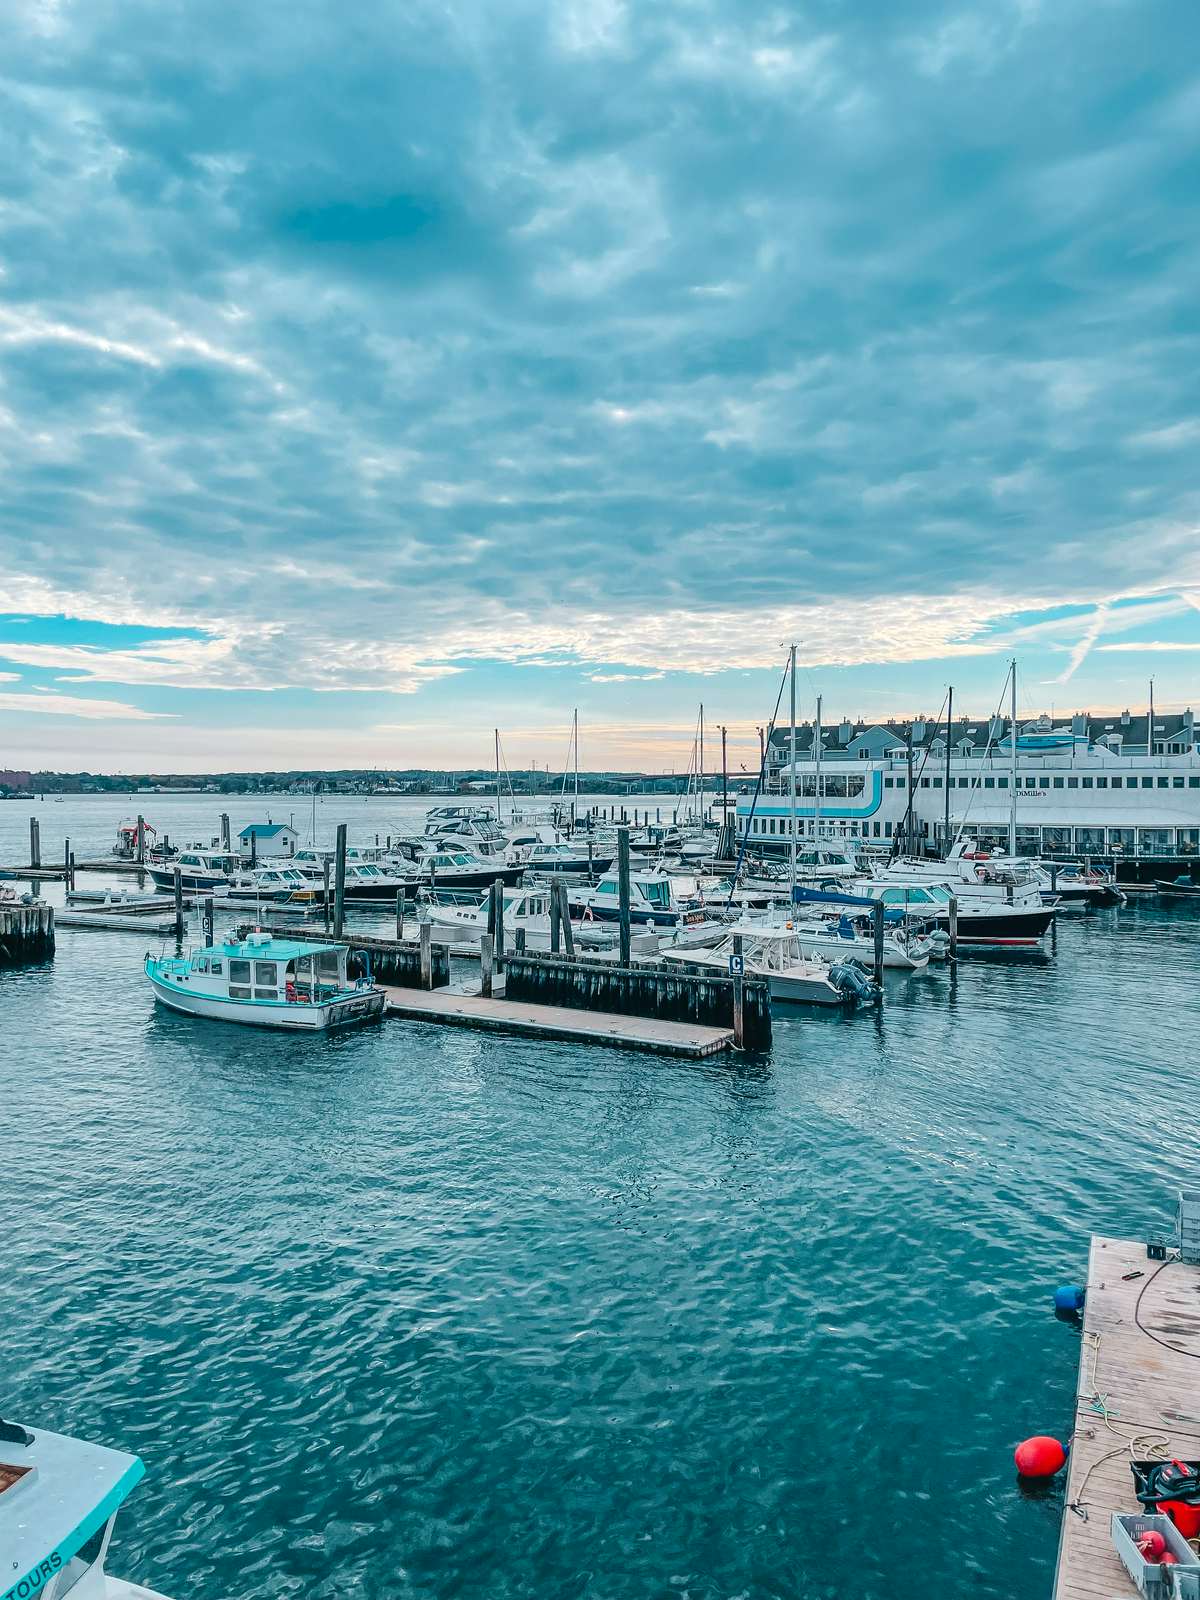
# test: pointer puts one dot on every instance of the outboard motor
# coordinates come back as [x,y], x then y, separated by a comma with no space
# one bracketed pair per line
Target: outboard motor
[850,979]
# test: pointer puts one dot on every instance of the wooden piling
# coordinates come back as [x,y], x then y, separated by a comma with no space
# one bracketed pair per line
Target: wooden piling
[141,841]
[207,917]
[26,934]
[739,993]
[555,925]
[71,869]
[178,905]
[253,848]
[225,834]
[498,891]
[325,877]
[486,965]
[623,894]
[427,955]
[339,887]
[877,929]
[399,915]
[519,942]
[564,917]
[35,843]
[954,927]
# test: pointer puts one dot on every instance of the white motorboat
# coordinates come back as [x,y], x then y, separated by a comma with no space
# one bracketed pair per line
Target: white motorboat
[904,948]
[59,1499]
[200,871]
[263,884]
[266,982]
[775,953]
[527,909]
[655,898]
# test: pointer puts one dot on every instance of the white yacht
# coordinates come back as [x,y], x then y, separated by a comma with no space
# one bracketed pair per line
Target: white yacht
[905,949]
[59,1499]
[260,884]
[775,953]
[200,870]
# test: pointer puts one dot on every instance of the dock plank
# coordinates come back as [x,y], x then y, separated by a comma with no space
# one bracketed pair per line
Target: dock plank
[1147,1390]
[455,1008]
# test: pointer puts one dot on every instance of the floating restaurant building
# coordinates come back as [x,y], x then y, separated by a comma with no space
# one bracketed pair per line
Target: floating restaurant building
[1109,786]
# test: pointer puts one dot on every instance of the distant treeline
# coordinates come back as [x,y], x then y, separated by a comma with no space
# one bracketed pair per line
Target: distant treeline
[470,783]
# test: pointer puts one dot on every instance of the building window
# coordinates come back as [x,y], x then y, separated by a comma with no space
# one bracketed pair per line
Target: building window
[1194,783]
[1102,783]
[1118,783]
[1147,783]
[937,783]
[924,783]
[989,783]
[1087,783]
[1002,783]
[888,828]
[1058,783]
[888,783]
[1164,783]
[1072,783]
[1177,783]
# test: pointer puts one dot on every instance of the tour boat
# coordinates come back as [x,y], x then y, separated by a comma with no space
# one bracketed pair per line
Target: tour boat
[776,955]
[266,982]
[59,1498]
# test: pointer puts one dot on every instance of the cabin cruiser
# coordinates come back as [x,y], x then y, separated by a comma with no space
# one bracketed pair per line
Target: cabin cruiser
[275,884]
[472,828]
[526,910]
[980,922]
[59,1499]
[558,855]
[775,953]
[654,898]
[200,871]
[266,982]
[458,869]
[364,881]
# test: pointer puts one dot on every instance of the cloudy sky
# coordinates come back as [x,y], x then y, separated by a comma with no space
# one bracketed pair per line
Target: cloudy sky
[373,374]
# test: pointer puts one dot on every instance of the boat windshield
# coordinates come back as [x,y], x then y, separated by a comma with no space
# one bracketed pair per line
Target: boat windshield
[658,894]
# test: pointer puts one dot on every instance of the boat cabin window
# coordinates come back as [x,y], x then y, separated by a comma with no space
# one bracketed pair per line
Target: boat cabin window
[239,980]
[216,966]
[202,964]
[607,888]
[658,894]
[327,964]
[266,974]
[80,1564]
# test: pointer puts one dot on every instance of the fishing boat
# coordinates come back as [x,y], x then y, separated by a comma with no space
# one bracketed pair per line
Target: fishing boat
[126,846]
[775,954]
[1183,887]
[59,1499]
[267,983]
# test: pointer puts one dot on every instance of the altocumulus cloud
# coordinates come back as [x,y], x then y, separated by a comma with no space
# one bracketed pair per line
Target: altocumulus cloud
[367,340]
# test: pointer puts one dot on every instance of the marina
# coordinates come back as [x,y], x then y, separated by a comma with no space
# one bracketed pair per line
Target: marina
[502,1010]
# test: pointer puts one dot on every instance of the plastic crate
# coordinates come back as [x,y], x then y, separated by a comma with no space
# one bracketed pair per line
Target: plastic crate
[1152,1578]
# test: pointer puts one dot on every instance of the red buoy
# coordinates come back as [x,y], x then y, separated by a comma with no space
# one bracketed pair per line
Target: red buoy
[1039,1457]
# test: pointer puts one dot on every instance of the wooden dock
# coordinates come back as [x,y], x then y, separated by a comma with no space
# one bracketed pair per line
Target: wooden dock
[457,1008]
[1132,1390]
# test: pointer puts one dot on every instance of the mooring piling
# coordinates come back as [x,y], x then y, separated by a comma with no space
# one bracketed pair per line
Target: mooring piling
[399,915]
[208,921]
[954,927]
[498,895]
[339,887]
[26,934]
[35,843]
[178,905]
[141,841]
[325,897]
[486,965]
[739,993]
[877,930]
[427,955]
[623,895]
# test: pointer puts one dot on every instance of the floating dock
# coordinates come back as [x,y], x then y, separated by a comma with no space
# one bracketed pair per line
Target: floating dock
[457,1007]
[104,921]
[1139,1385]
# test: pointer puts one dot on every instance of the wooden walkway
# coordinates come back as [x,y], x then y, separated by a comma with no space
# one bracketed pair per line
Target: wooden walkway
[457,1008]
[1151,1393]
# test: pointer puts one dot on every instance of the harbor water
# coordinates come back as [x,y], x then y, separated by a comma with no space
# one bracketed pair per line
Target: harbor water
[423,1313]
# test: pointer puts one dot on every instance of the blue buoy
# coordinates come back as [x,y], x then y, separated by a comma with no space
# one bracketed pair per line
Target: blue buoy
[1069,1297]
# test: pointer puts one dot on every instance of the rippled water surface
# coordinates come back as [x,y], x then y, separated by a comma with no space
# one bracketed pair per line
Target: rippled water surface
[415,1312]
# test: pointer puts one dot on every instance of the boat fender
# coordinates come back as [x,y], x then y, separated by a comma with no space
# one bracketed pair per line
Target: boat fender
[1069,1297]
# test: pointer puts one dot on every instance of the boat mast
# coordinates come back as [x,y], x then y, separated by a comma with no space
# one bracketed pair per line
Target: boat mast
[949,723]
[1150,723]
[700,774]
[496,734]
[1012,781]
[575,742]
[817,782]
[792,787]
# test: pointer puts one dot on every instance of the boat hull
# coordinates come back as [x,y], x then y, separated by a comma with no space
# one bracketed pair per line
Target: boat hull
[1000,929]
[833,948]
[193,882]
[347,1011]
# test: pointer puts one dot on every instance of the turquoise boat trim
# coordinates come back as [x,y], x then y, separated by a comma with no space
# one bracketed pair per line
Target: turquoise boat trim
[51,1565]
[866,807]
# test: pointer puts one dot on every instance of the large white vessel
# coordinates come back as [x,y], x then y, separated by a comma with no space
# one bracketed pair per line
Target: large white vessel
[1105,787]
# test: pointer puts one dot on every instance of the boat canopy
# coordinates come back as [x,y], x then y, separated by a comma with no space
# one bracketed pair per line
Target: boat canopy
[57,1496]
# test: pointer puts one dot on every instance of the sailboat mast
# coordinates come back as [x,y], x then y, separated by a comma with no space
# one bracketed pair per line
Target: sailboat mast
[949,722]
[817,783]
[575,742]
[792,787]
[1012,781]
[496,735]
[700,774]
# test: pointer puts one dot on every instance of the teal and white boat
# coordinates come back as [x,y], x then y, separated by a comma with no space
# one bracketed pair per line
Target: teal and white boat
[59,1498]
[268,983]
